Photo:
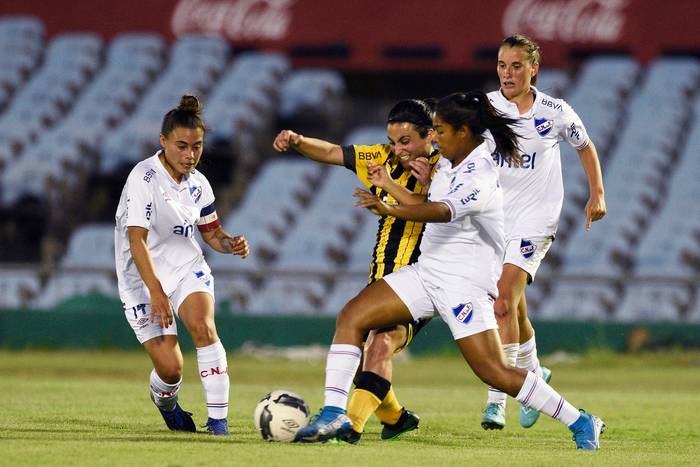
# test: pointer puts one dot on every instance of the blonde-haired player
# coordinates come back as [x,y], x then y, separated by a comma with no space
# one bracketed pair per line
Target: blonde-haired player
[533,195]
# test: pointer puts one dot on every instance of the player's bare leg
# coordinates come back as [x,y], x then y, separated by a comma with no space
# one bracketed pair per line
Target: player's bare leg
[165,380]
[375,307]
[373,389]
[511,287]
[527,360]
[197,313]
[481,352]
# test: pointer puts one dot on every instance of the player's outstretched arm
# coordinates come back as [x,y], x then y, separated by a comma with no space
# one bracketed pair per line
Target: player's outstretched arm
[424,212]
[595,207]
[379,177]
[224,242]
[311,148]
[161,308]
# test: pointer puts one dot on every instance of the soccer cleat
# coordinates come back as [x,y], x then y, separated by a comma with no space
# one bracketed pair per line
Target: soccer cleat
[351,437]
[528,416]
[587,430]
[217,426]
[408,421]
[178,420]
[324,426]
[494,416]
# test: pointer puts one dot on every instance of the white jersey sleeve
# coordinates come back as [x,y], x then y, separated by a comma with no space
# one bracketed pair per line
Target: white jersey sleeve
[139,200]
[573,130]
[471,190]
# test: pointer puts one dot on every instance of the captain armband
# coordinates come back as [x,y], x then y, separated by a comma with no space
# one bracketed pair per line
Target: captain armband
[208,219]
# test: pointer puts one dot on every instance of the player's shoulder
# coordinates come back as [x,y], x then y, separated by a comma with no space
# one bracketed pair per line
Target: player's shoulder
[198,177]
[144,172]
[497,99]
[552,105]
[372,152]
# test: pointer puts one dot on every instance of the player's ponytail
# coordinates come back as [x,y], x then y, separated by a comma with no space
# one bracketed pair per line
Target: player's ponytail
[187,114]
[416,111]
[473,110]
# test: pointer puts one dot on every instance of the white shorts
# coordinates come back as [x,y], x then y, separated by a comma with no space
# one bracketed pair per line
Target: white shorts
[527,253]
[138,316]
[466,311]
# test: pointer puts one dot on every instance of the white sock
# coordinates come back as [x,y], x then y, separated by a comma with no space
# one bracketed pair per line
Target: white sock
[511,354]
[341,365]
[527,357]
[213,371]
[164,394]
[540,396]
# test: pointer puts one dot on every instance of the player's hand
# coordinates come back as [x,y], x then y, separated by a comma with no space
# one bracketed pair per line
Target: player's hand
[286,139]
[239,246]
[161,309]
[377,175]
[595,209]
[371,201]
[420,168]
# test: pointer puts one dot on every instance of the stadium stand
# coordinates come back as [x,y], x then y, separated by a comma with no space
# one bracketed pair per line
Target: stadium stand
[76,108]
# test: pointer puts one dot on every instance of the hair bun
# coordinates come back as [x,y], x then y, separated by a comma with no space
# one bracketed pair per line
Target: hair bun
[190,103]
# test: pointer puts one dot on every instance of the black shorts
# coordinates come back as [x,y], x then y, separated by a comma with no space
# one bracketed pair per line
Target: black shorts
[414,328]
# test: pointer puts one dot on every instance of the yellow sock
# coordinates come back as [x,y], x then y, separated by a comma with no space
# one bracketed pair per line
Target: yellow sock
[389,410]
[362,404]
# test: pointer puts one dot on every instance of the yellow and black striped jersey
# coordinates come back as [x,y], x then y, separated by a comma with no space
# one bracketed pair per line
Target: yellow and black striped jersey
[398,240]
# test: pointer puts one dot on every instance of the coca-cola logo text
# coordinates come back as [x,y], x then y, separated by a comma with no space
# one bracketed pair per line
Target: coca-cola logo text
[566,20]
[235,19]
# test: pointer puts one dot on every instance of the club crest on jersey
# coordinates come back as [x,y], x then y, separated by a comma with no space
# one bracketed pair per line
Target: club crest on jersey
[527,248]
[463,312]
[204,277]
[196,193]
[543,126]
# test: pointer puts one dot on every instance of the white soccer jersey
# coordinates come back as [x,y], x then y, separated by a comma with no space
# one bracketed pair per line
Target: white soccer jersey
[152,199]
[533,193]
[469,247]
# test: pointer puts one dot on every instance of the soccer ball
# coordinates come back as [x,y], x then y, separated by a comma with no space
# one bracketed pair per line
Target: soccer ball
[280,414]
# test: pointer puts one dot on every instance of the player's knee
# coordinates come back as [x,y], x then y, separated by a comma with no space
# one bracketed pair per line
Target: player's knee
[350,317]
[203,332]
[505,309]
[170,371]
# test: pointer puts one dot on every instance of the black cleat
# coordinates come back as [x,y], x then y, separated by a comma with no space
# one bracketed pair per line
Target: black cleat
[408,421]
[351,437]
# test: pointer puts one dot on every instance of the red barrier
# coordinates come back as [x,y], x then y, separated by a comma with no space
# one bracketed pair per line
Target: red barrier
[387,34]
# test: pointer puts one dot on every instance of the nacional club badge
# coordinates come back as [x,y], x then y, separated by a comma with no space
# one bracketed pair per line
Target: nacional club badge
[463,312]
[527,248]
[543,126]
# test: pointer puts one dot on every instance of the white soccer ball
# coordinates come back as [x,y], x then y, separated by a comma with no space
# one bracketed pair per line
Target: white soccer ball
[280,414]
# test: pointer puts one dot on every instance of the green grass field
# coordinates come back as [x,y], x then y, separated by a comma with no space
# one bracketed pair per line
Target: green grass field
[92,408]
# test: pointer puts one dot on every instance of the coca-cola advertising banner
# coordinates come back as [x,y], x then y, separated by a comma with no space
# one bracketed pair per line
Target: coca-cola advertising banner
[391,34]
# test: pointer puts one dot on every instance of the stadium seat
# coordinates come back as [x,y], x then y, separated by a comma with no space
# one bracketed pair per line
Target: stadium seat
[194,65]
[367,135]
[579,301]
[299,294]
[18,288]
[346,287]
[645,302]
[91,246]
[312,90]
[330,206]
[64,285]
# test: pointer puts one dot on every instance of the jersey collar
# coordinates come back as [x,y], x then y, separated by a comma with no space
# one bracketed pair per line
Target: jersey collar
[163,171]
[513,108]
[483,147]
